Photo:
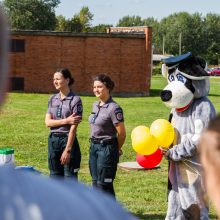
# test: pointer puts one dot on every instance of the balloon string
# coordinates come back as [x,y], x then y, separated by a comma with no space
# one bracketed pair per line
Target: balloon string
[198,164]
[193,169]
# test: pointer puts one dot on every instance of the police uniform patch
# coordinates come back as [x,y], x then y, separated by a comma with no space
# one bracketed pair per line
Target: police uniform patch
[79,108]
[119,114]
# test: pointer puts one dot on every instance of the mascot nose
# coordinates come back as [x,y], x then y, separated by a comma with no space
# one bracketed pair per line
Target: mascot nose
[166,95]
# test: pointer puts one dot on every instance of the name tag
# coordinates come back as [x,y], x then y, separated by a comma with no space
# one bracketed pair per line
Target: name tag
[76,170]
[107,180]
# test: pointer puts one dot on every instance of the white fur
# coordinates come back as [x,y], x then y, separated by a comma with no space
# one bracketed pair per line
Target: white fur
[181,96]
[199,126]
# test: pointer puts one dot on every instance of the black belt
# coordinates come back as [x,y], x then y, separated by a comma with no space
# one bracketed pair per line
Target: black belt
[56,134]
[103,141]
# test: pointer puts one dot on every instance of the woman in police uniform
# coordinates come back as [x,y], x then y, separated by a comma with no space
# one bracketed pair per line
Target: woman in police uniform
[107,135]
[63,115]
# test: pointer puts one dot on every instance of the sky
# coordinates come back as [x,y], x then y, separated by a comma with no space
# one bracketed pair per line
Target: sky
[110,11]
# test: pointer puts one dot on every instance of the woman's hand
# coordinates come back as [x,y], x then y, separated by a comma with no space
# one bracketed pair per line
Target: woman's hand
[165,152]
[73,119]
[120,152]
[65,157]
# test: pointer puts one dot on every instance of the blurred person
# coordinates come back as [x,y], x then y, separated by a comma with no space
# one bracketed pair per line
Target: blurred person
[3,56]
[63,116]
[107,135]
[27,196]
[209,147]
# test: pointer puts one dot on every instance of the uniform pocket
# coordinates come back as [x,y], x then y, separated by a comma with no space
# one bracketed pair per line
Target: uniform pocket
[107,174]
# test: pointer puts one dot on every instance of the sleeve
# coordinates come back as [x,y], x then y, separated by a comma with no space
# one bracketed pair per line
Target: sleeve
[204,112]
[77,106]
[116,114]
[49,105]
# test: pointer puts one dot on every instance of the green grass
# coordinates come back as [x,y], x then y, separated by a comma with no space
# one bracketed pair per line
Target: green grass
[142,192]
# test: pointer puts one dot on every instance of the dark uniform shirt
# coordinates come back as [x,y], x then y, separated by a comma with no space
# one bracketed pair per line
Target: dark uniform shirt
[60,109]
[104,118]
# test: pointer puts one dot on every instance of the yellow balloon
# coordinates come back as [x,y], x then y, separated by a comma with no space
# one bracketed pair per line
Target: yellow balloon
[139,130]
[144,143]
[163,131]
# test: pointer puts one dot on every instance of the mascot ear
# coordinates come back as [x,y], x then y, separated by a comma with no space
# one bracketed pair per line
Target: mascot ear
[164,70]
[201,62]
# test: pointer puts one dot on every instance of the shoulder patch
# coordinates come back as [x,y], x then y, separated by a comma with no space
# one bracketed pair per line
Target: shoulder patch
[79,108]
[119,114]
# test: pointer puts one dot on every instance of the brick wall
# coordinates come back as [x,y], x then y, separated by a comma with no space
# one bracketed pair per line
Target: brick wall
[126,58]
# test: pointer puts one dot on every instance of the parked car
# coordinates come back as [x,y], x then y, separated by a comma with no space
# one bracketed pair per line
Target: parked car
[214,71]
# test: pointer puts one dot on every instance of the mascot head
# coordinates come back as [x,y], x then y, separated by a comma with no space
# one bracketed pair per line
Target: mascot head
[187,79]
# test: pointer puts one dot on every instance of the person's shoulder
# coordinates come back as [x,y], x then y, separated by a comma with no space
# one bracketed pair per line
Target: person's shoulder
[74,97]
[96,103]
[113,105]
[54,96]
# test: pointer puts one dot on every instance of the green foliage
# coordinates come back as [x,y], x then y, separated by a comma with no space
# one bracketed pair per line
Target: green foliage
[157,70]
[101,28]
[182,32]
[190,28]
[31,14]
[142,192]
[80,22]
[130,21]
[85,18]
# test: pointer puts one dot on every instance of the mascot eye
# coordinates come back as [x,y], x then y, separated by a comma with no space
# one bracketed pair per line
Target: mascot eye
[181,78]
[171,77]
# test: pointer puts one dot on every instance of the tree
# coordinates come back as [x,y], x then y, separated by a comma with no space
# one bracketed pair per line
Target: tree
[31,14]
[101,28]
[85,18]
[182,29]
[80,22]
[63,24]
[130,21]
[211,34]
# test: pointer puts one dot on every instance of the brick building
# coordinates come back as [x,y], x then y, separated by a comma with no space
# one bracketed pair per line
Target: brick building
[125,54]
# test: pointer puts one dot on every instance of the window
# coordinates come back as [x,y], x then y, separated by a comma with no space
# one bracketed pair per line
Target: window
[17,45]
[17,83]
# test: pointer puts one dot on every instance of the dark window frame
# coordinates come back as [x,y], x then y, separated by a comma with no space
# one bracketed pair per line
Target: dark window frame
[17,45]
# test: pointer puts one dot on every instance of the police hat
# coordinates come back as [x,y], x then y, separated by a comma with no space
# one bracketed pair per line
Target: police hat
[188,65]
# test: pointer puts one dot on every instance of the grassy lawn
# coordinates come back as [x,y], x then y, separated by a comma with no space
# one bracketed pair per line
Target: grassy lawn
[141,192]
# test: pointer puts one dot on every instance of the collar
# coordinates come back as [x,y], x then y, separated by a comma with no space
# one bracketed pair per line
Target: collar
[68,97]
[106,103]
[183,108]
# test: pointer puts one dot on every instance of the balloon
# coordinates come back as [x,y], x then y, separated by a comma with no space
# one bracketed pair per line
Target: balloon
[163,131]
[138,130]
[149,161]
[144,143]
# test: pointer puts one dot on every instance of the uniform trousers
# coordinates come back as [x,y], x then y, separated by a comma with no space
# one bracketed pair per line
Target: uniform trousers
[56,145]
[103,160]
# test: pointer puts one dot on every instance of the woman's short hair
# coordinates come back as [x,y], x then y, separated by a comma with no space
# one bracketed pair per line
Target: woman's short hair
[67,75]
[106,80]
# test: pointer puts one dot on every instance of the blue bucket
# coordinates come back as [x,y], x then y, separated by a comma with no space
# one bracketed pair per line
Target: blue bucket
[28,168]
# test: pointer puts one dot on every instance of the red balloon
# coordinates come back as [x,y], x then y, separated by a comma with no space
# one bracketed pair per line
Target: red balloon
[150,161]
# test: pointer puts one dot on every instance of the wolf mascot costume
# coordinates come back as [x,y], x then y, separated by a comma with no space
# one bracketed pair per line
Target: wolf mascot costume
[186,93]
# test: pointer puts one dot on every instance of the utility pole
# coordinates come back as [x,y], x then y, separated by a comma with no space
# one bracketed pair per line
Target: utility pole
[163,43]
[180,42]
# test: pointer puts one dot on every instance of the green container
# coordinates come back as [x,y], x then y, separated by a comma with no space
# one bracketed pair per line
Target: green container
[6,150]
[6,156]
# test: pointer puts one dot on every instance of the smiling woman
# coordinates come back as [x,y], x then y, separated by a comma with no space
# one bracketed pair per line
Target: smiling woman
[107,135]
[63,116]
